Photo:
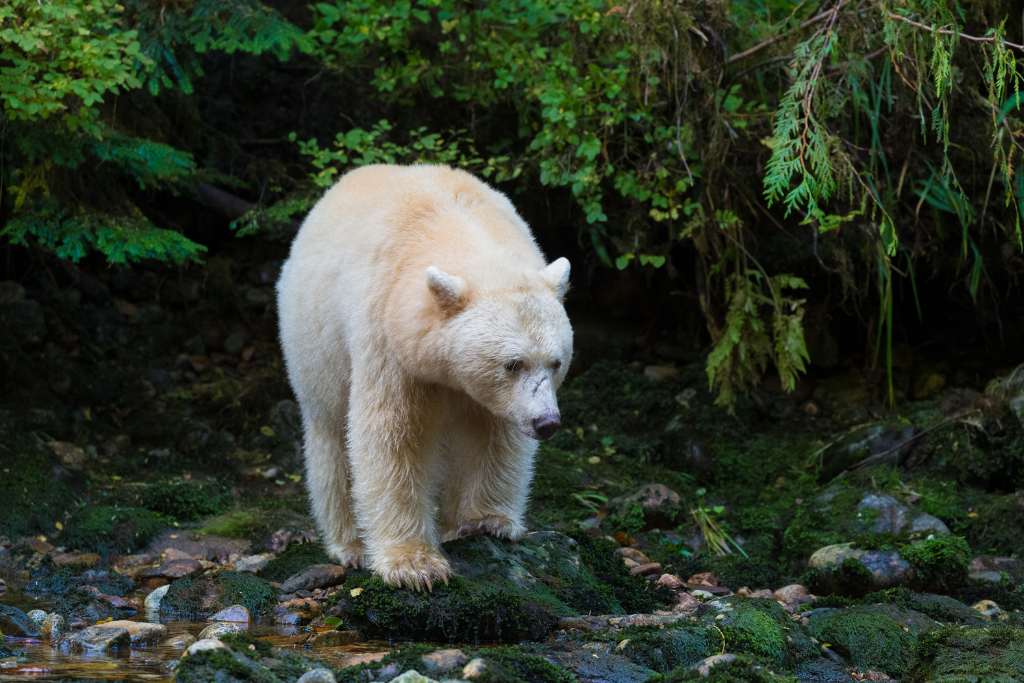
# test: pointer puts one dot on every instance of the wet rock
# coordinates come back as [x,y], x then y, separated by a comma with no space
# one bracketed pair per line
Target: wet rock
[254,564]
[924,524]
[316,576]
[173,569]
[659,503]
[152,602]
[1017,408]
[953,653]
[37,617]
[883,514]
[704,666]
[14,622]
[179,642]
[202,547]
[317,676]
[990,568]
[844,567]
[763,593]
[686,603]
[140,633]
[596,661]
[236,613]
[823,671]
[334,639]
[199,597]
[96,639]
[205,645]
[53,627]
[875,444]
[222,628]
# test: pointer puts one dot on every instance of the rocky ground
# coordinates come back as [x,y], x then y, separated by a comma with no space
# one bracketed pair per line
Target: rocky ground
[154,519]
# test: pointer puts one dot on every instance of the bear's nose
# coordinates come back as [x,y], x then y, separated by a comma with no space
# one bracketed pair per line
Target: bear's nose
[546,425]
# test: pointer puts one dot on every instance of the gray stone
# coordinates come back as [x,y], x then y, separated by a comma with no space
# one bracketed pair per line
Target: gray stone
[704,666]
[180,642]
[152,601]
[222,628]
[928,524]
[14,622]
[37,617]
[317,676]
[96,639]
[440,661]
[205,645]
[235,613]
[140,633]
[882,514]
[253,563]
[887,567]
[412,676]
[314,576]
[53,627]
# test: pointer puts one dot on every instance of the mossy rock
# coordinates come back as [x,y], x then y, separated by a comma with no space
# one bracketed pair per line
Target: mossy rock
[881,637]
[744,669]
[501,592]
[959,654]
[940,563]
[112,529]
[185,500]
[762,629]
[199,597]
[995,525]
[245,659]
[665,649]
[294,559]
[502,664]
[33,485]
[939,607]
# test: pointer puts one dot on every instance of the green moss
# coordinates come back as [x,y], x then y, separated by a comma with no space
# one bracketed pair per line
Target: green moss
[994,526]
[866,638]
[664,649]
[938,607]
[514,665]
[245,659]
[113,529]
[402,658]
[970,654]
[185,500]
[462,611]
[851,579]
[238,523]
[736,571]
[939,563]
[632,593]
[294,559]
[30,484]
[199,597]
[761,628]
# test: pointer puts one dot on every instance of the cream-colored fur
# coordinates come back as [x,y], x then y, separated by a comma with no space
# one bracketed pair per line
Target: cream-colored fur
[425,338]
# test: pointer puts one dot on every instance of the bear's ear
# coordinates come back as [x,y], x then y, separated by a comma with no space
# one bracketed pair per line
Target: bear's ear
[448,290]
[556,274]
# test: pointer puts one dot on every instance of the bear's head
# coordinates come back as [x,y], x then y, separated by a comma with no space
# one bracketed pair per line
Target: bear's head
[509,348]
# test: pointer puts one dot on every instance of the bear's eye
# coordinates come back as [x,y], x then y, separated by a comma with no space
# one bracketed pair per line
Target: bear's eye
[514,365]
[556,364]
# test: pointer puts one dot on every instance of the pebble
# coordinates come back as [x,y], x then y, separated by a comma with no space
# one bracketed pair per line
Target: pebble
[37,617]
[928,524]
[174,569]
[152,602]
[685,603]
[412,676]
[704,666]
[702,579]
[253,563]
[234,613]
[475,668]
[317,676]
[77,560]
[443,660]
[179,642]
[634,555]
[793,595]
[222,628]
[988,609]
[671,582]
[205,645]
[645,569]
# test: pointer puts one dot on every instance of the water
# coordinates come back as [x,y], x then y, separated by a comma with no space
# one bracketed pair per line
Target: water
[41,661]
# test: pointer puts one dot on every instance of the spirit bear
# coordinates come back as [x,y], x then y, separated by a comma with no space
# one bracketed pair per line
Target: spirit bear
[425,338]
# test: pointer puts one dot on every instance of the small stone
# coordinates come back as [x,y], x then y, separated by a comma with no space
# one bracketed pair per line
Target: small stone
[140,633]
[475,668]
[793,595]
[179,642]
[762,593]
[702,579]
[645,569]
[174,569]
[315,576]
[77,560]
[988,609]
[37,617]
[883,514]
[925,524]
[152,602]
[99,638]
[661,373]
[887,567]
[334,638]
[53,627]
[633,554]
[702,594]
[70,455]
[686,603]
[671,582]
[317,676]
[205,645]
[412,676]
[222,628]
[443,660]
[174,554]
[1011,566]
[704,666]
[253,563]
[235,613]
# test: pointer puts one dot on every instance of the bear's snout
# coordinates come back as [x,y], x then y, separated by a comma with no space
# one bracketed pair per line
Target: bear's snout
[546,425]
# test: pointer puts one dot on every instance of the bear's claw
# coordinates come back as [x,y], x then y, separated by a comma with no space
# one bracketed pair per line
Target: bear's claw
[493,525]
[414,566]
[347,554]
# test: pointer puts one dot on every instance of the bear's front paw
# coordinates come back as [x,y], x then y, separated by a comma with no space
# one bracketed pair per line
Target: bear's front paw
[347,554]
[493,525]
[412,565]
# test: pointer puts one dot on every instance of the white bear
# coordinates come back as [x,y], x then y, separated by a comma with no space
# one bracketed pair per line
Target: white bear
[425,338]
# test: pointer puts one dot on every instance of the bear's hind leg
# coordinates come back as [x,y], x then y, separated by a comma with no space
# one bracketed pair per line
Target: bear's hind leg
[327,478]
[490,468]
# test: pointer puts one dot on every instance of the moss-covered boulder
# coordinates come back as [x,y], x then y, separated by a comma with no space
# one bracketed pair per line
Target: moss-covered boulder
[958,654]
[738,669]
[110,529]
[938,564]
[880,637]
[665,649]
[199,597]
[244,659]
[295,558]
[760,628]
[501,592]
[33,483]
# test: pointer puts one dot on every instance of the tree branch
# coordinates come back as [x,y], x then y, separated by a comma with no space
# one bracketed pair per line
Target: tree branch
[950,32]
